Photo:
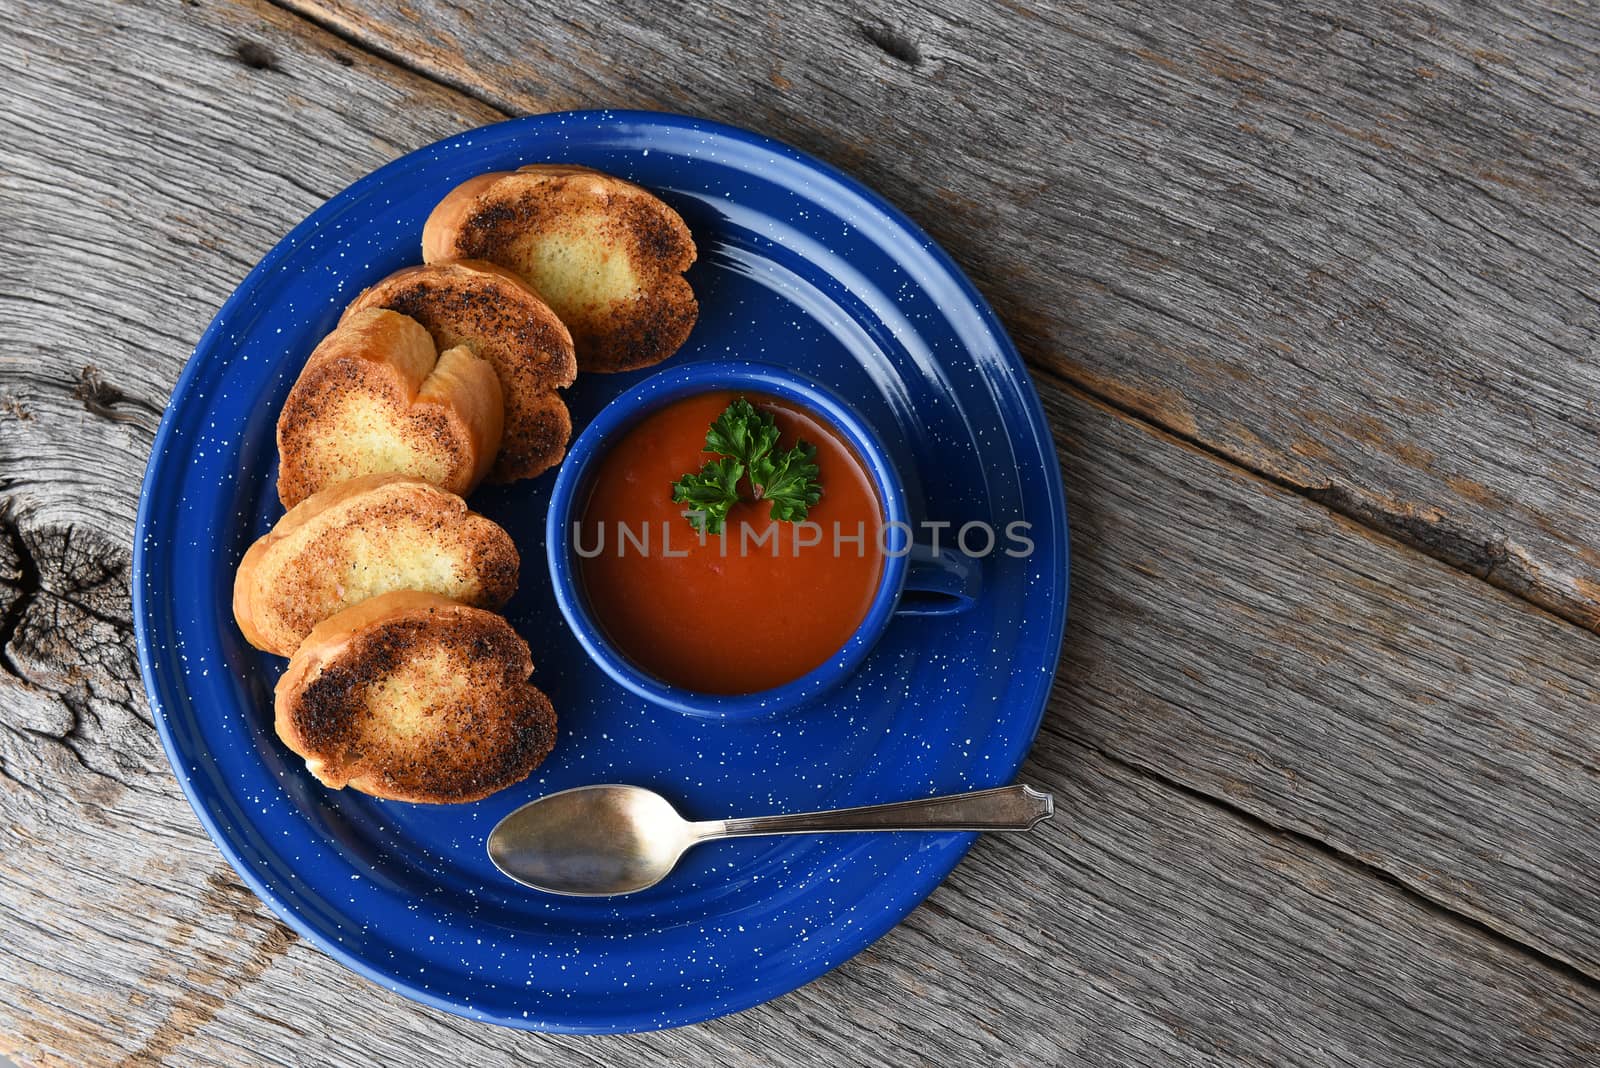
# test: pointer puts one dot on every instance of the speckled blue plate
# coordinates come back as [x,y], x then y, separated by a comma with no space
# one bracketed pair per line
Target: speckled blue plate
[798,265]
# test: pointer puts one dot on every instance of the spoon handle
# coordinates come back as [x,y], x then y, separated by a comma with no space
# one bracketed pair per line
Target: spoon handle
[1006,808]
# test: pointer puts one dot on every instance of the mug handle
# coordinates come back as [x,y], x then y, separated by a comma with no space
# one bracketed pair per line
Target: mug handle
[939,582]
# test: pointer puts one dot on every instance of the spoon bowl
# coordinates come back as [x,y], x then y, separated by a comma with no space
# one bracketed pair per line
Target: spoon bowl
[596,841]
[592,841]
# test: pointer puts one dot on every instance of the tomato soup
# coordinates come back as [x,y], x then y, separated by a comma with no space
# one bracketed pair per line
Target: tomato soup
[758,606]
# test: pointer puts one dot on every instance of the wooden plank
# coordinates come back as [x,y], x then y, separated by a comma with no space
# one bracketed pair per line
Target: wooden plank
[1174,929]
[1288,662]
[113,158]
[1351,247]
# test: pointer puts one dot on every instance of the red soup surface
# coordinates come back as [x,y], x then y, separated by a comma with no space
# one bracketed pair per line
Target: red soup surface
[747,611]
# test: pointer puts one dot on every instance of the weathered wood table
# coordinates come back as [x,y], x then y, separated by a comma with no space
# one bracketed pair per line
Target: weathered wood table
[1313,300]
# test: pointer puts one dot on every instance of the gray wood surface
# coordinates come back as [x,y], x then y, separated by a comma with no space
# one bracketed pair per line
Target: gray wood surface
[1325,798]
[1352,248]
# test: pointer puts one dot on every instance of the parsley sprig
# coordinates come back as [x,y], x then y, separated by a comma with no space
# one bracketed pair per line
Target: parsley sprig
[710,493]
[745,443]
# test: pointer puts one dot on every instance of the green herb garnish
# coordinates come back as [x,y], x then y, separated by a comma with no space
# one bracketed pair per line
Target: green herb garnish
[745,442]
[710,493]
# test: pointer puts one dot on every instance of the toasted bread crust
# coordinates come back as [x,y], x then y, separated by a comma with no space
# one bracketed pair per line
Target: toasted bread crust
[414,697]
[494,313]
[445,221]
[602,225]
[374,397]
[360,539]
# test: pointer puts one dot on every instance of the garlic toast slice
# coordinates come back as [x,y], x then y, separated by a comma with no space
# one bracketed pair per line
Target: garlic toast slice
[376,396]
[496,315]
[414,697]
[360,539]
[606,254]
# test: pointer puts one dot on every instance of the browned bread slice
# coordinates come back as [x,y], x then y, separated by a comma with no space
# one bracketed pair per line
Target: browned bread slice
[369,536]
[414,697]
[496,315]
[376,396]
[608,255]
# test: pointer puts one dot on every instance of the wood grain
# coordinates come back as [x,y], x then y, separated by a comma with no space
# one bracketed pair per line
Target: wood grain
[1239,660]
[1351,247]
[1231,638]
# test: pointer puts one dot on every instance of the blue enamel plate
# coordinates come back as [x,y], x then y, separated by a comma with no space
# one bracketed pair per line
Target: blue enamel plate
[799,266]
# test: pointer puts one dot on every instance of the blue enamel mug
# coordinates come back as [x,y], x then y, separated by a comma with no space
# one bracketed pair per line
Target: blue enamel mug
[915,579]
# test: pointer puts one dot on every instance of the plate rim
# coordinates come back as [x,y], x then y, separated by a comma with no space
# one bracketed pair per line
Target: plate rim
[142,597]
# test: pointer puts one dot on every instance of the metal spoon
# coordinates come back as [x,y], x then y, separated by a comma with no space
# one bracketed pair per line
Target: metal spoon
[599,840]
